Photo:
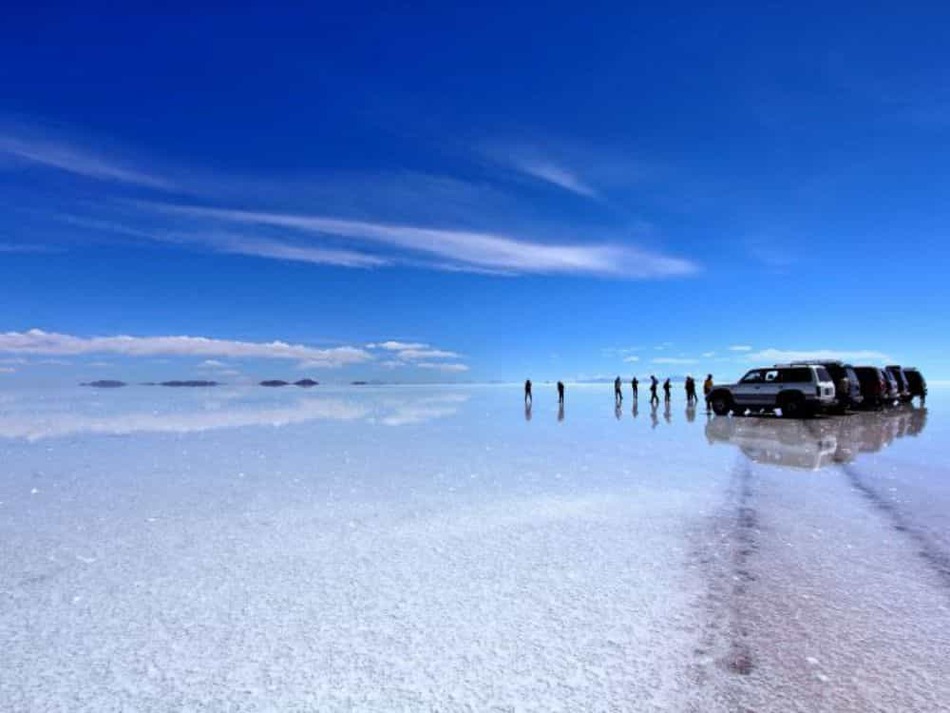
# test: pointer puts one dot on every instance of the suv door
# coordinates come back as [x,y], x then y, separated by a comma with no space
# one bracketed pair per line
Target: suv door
[771,387]
[757,388]
[746,390]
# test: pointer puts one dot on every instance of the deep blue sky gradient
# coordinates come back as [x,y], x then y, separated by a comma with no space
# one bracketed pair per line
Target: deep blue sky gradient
[798,157]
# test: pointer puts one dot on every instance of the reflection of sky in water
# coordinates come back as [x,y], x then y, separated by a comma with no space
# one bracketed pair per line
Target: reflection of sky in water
[34,415]
[417,547]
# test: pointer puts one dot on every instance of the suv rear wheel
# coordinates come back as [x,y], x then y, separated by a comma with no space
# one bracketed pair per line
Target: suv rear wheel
[793,406]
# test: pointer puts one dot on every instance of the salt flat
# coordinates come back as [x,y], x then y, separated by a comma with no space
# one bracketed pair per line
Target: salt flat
[423,548]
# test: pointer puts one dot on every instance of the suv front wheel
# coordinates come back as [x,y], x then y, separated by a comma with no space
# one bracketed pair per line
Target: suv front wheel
[721,404]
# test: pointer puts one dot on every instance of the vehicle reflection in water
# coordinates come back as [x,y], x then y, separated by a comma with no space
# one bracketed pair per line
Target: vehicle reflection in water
[813,444]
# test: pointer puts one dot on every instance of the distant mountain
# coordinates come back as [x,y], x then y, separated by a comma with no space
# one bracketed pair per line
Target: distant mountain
[275,382]
[105,384]
[306,382]
[188,383]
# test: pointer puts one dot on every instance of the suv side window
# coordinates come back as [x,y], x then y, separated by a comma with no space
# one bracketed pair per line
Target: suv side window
[823,374]
[798,375]
[753,377]
[771,376]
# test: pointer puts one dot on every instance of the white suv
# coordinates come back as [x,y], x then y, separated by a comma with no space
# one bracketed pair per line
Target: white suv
[795,390]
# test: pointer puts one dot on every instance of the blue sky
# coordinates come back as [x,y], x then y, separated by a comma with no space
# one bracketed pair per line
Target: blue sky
[470,193]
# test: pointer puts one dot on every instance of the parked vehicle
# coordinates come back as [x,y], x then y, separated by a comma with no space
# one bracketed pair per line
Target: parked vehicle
[902,383]
[874,387]
[918,385]
[847,387]
[893,388]
[796,390]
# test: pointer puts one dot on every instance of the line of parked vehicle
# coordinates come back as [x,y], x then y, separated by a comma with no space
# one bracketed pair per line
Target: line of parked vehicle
[811,387]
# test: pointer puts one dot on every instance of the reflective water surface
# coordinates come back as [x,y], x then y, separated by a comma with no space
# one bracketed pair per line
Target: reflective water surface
[422,548]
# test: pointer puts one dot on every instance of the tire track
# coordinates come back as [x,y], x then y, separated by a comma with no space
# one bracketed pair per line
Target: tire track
[727,554]
[936,559]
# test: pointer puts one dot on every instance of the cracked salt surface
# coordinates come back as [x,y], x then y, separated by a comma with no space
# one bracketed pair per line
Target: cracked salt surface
[407,548]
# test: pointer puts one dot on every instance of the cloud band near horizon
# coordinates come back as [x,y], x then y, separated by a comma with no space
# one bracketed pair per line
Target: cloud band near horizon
[36,341]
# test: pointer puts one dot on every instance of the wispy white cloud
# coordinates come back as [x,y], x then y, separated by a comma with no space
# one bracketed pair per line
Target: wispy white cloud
[25,248]
[709,355]
[618,351]
[212,364]
[463,249]
[7,370]
[263,247]
[675,360]
[37,341]
[315,238]
[631,359]
[395,346]
[771,356]
[555,175]
[78,161]
[740,348]
[441,366]
[415,354]
[235,244]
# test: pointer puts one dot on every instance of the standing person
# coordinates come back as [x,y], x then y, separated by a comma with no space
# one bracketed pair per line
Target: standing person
[653,384]
[560,393]
[618,391]
[635,385]
[707,389]
[527,392]
[691,397]
[666,390]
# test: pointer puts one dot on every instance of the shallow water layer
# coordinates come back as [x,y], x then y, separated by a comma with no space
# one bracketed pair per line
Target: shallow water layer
[423,548]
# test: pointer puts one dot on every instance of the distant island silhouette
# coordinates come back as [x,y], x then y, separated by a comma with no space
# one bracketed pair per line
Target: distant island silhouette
[115,383]
[281,382]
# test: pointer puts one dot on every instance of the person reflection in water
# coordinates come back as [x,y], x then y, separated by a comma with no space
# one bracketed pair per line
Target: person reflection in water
[691,412]
[636,408]
[560,393]
[560,412]
[527,392]
[618,410]
[668,412]
[527,410]
[654,419]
